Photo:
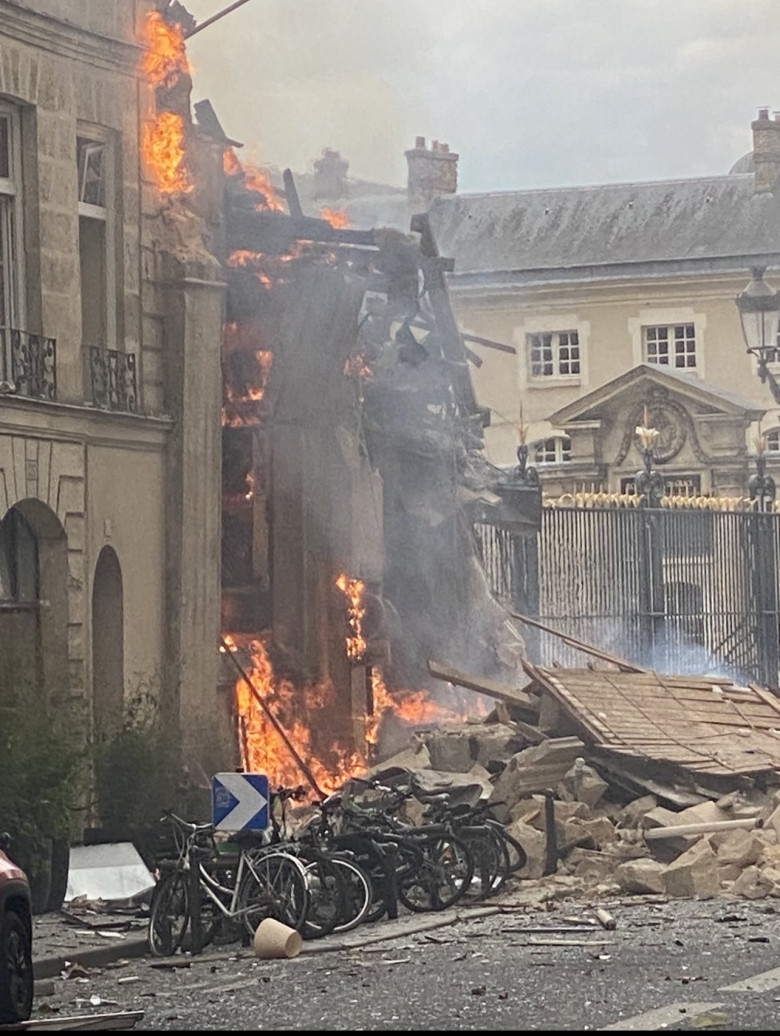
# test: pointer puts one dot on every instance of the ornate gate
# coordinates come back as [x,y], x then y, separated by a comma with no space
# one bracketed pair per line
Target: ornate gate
[690,590]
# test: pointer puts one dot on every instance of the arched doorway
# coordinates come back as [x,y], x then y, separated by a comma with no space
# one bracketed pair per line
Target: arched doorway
[33,601]
[20,612]
[108,651]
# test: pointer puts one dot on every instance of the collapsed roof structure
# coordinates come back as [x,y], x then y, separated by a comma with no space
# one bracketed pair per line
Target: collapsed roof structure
[353,473]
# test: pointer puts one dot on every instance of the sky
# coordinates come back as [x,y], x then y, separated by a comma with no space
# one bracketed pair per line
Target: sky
[529,93]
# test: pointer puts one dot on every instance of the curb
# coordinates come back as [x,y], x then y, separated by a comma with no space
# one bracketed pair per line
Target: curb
[95,957]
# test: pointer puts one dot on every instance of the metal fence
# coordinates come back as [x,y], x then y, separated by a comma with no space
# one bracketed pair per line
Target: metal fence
[679,591]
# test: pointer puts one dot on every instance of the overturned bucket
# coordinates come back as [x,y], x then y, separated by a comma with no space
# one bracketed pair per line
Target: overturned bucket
[274,940]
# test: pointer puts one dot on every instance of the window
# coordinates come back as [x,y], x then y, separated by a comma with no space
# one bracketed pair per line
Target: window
[18,560]
[674,485]
[96,252]
[772,439]
[553,451]
[10,223]
[672,345]
[554,354]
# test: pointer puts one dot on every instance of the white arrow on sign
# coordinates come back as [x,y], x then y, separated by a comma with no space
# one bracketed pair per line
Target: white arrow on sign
[250,801]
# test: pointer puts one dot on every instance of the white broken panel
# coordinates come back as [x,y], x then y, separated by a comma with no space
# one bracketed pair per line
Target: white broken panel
[111,871]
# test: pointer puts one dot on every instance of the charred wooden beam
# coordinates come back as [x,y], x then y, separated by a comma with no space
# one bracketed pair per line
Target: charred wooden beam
[291,194]
[622,663]
[276,233]
[511,695]
[490,344]
[452,342]
[214,18]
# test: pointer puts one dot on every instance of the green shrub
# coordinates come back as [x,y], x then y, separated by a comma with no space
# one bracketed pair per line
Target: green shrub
[138,773]
[43,777]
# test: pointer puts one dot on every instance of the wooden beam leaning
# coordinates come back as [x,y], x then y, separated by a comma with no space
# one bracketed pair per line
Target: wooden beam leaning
[622,663]
[502,692]
[747,823]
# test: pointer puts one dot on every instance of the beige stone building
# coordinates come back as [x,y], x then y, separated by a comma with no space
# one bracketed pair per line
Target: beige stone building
[615,296]
[109,484]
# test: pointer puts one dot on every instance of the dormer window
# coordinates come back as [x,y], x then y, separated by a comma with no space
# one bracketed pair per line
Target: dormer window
[772,439]
[556,450]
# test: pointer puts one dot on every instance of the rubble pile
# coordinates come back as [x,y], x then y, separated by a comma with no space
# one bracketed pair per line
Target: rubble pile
[624,821]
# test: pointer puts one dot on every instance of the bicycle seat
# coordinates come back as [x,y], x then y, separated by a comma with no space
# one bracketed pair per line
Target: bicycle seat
[250,839]
[433,798]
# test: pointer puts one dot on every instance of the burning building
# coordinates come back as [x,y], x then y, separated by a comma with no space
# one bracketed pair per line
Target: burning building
[353,472]
[225,422]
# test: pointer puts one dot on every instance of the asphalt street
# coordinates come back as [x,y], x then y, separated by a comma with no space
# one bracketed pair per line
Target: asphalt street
[526,962]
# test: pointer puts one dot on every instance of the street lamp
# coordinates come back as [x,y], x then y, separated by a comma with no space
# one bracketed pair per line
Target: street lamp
[759,311]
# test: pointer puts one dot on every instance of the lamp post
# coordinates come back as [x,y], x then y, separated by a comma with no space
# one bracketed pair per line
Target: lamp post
[650,484]
[759,312]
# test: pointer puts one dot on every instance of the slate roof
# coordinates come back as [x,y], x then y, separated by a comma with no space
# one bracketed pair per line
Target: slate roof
[570,227]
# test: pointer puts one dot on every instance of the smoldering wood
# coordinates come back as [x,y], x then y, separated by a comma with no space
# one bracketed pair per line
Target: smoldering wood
[273,232]
[511,695]
[192,28]
[273,720]
[580,645]
[291,194]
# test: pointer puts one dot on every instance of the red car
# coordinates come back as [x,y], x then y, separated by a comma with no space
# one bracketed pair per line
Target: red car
[16,966]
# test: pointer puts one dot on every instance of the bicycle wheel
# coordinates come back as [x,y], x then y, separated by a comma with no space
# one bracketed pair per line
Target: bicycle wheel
[378,860]
[169,915]
[326,897]
[491,861]
[217,924]
[444,875]
[517,854]
[357,893]
[273,885]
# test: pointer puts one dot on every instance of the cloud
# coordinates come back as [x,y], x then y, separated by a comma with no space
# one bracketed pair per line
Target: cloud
[531,93]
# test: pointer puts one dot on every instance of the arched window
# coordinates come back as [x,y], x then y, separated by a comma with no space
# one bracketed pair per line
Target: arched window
[18,561]
[108,650]
[20,640]
[553,451]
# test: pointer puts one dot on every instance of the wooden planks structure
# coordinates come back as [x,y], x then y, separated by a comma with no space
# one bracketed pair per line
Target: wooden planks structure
[709,726]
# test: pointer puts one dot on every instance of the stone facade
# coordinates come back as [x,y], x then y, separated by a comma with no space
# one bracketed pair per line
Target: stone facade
[100,457]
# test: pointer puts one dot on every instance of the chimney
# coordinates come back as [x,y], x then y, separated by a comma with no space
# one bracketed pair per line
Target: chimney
[432,171]
[766,151]
[330,174]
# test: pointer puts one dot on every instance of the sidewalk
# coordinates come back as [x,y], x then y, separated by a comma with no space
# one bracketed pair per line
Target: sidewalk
[60,940]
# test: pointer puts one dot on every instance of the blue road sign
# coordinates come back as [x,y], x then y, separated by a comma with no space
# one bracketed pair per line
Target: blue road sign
[239,801]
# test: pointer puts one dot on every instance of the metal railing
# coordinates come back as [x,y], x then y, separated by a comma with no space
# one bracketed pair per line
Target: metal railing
[114,385]
[28,364]
[675,590]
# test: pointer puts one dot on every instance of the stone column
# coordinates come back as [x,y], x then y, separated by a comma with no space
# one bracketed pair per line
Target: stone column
[193,306]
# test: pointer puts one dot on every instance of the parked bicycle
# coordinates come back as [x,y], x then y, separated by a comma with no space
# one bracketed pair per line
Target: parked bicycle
[203,891]
[433,866]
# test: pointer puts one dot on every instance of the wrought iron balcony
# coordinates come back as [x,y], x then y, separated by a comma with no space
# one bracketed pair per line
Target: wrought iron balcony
[113,380]
[28,364]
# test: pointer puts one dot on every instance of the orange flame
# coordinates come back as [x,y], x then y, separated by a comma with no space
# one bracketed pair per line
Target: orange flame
[163,149]
[230,162]
[242,257]
[259,180]
[356,610]
[247,367]
[263,749]
[165,60]
[413,708]
[336,217]
[356,366]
